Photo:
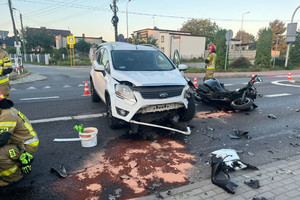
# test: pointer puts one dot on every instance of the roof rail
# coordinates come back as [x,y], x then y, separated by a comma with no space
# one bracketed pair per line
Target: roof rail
[149,45]
[111,44]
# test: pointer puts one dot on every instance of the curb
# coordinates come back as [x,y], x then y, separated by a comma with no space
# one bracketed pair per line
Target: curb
[30,77]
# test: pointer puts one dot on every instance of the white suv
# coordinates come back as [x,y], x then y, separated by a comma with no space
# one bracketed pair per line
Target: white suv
[139,84]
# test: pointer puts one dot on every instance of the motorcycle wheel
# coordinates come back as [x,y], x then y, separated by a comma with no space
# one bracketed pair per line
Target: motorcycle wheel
[186,114]
[239,104]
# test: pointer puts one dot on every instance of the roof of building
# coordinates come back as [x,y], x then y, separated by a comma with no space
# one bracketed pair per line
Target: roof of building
[55,32]
[157,29]
[187,35]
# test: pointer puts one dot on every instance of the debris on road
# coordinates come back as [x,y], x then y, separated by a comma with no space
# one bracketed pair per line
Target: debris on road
[62,172]
[297,110]
[271,116]
[232,160]
[219,177]
[250,153]
[238,134]
[124,176]
[253,183]
[259,198]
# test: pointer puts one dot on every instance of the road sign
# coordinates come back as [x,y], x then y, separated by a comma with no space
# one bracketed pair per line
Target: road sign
[71,39]
[229,35]
[291,32]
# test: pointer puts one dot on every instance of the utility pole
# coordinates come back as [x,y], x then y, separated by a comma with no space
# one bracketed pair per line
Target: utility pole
[13,21]
[23,34]
[115,18]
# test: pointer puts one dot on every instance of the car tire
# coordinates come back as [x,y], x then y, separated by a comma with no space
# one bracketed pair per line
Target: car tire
[186,114]
[113,122]
[239,104]
[95,97]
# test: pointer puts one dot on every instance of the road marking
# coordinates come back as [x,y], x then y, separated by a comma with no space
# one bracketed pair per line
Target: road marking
[47,87]
[67,118]
[228,84]
[283,84]
[277,95]
[66,139]
[80,85]
[13,89]
[39,98]
[31,88]
[67,86]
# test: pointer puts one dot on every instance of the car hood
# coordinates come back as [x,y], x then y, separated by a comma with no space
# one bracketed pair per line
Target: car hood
[150,78]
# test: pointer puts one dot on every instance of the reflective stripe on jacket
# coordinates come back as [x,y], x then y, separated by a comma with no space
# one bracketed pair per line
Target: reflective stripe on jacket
[212,60]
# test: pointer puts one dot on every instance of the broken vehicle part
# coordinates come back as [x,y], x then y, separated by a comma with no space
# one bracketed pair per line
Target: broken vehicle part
[219,177]
[187,132]
[259,198]
[253,183]
[271,116]
[250,153]
[232,160]
[241,133]
[62,172]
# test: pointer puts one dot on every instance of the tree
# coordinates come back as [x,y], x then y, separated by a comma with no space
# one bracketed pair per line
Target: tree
[201,27]
[39,41]
[294,59]
[220,42]
[278,28]
[246,37]
[82,46]
[147,40]
[263,49]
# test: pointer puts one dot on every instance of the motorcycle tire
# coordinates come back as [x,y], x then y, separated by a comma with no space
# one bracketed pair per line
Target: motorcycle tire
[238,104]
[186,114]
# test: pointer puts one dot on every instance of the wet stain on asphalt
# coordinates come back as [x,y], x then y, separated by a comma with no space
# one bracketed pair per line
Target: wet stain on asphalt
[128,169]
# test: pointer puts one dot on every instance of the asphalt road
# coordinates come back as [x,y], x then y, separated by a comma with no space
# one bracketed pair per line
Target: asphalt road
[61,95]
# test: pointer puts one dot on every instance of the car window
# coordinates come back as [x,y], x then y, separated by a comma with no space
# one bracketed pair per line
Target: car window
[105,60]
[136,60]
[99,56]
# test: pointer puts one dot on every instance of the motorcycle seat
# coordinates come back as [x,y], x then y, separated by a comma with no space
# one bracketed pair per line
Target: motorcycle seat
[215,85]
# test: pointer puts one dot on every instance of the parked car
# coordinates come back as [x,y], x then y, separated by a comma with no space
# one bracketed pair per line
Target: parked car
[139,84]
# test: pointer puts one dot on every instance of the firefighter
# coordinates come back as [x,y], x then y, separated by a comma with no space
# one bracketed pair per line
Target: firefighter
[18,143]
[5,69]
[210,62]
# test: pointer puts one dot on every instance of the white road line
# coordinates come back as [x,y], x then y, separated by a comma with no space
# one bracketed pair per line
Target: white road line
[13,89]
[80,85]
[283,84]
[47,87]
[67,86]
[66,139]
[31,88]
[39,98]
[228,84]
[277,95]
[67,118]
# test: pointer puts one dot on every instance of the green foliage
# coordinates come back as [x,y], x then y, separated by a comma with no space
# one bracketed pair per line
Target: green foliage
[252,45]
[294,59]
[199,59]
[241,62]
[38,41]
[202,27]
[278,28]
[10,49]
[246,37]
[263,49]
[78,61]
[220,43]
[57,54]
[82,46]
[147,40]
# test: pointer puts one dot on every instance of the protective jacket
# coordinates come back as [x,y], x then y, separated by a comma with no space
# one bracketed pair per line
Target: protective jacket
[211,60]
[5,69]
[20,137]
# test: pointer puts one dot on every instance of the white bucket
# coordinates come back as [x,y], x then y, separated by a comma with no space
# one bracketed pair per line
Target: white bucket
[89,137]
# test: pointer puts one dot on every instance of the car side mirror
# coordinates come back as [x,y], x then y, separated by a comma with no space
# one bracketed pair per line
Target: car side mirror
[182,67]
[98,67]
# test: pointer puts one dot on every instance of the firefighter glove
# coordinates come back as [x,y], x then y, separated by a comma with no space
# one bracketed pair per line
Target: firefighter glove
[26,159]
[26,169]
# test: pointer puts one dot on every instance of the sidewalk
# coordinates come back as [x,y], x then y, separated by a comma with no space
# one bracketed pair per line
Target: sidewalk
[279,180]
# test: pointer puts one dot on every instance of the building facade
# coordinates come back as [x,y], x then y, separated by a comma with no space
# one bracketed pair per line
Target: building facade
[189,46]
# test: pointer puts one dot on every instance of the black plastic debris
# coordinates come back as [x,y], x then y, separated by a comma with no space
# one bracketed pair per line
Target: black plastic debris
[294,145]
[271,116]
[159,196]
[219,177]
[210,129]
[259,198]
[61,171]
[253,183]
[238,134]
[169,192]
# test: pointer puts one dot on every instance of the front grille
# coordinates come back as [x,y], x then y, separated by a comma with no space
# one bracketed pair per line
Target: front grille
[160,92]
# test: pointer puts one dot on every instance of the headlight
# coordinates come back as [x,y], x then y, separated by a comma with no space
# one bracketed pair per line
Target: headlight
[124,92]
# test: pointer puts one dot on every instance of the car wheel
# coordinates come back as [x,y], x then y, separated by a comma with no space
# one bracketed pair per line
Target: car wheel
[186,114]
[95,97]
[113,122]
[239,104]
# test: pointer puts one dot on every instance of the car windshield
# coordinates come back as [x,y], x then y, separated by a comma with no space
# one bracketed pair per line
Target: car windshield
[135,60]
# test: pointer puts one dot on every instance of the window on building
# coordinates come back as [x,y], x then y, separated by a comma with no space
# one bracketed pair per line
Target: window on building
[162,39]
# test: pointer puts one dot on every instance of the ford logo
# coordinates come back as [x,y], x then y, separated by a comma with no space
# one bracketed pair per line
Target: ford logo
[163,95]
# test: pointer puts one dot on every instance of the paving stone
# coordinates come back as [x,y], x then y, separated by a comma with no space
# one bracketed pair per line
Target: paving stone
[282,197]
[280,190]
[250,194]
[267,195]
[291,186]
[292,193]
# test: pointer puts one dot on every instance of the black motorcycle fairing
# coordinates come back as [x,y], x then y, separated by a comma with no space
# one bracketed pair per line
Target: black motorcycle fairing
[215,85]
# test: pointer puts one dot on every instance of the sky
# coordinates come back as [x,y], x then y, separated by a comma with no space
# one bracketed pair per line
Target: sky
[93,17]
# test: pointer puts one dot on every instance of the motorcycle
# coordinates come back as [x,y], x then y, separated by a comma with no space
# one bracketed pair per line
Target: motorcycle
[212,91]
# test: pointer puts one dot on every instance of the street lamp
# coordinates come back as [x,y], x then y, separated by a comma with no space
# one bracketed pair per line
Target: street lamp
[127,17]
[242,29]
